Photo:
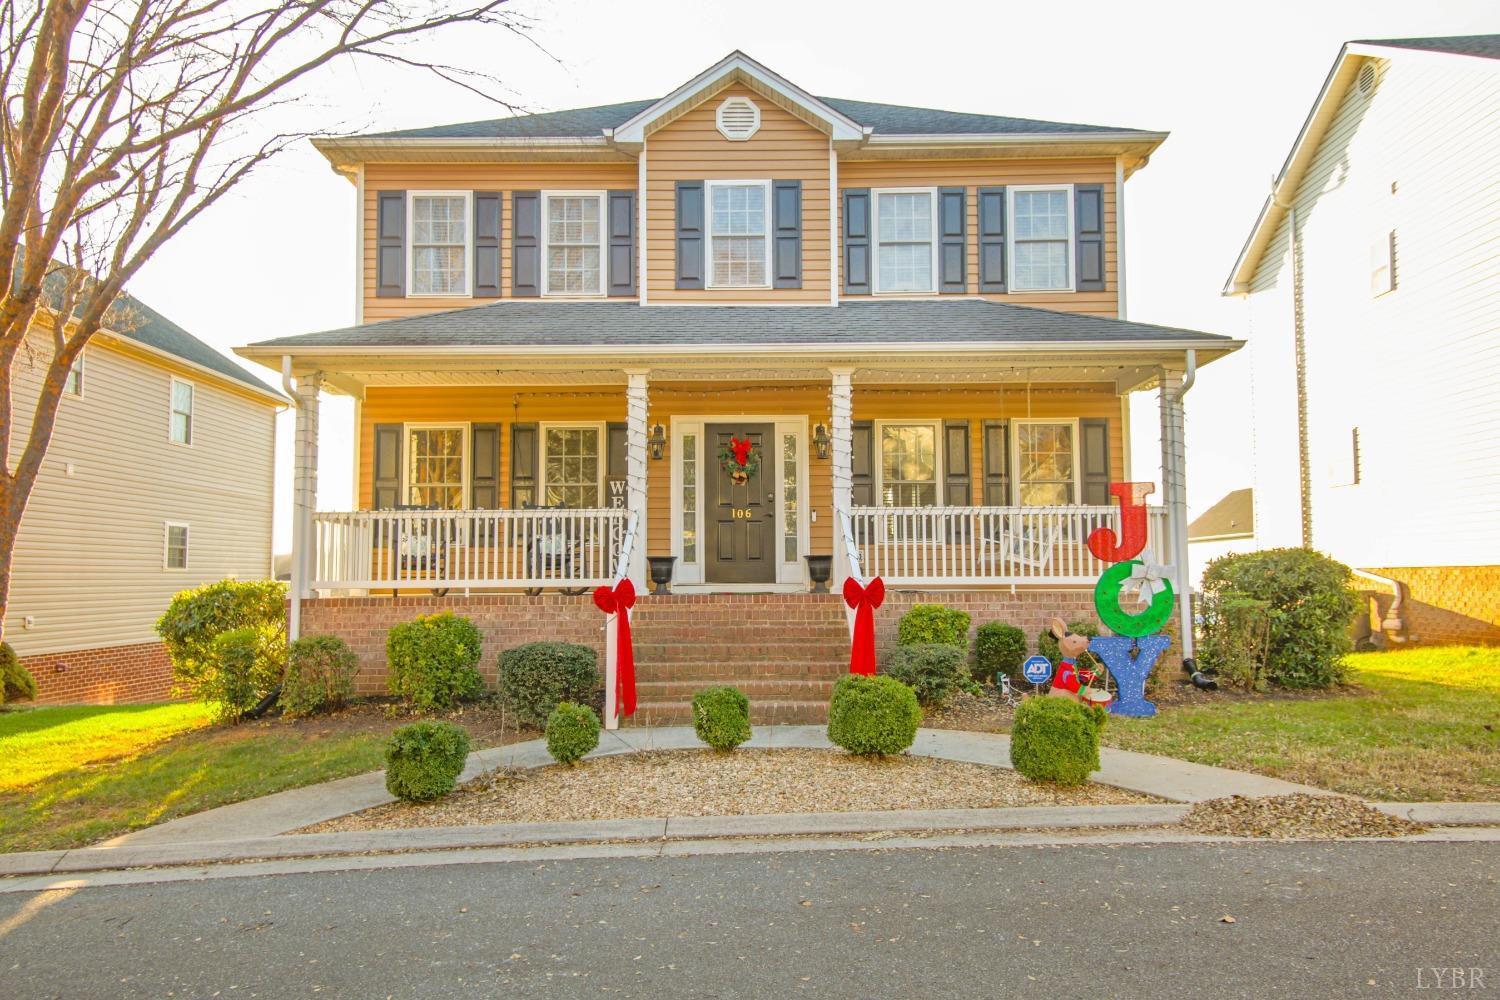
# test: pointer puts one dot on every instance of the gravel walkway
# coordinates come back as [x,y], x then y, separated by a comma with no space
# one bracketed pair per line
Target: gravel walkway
[742,783]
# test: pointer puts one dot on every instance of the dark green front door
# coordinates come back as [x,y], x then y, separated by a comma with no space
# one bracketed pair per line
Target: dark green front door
[741,510]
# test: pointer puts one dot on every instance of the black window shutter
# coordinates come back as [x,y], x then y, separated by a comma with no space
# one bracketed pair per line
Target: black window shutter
[622,256]
[1088,225]
[857,241]
[863,464]
[390,244]
[484,466]
[614,465]
[992,239]
[526,244]
[956,477]
[690,234]
[996,463]
[1094,453]
[386,475]
[487,210]
[953,238]
[523,465]
[786,252]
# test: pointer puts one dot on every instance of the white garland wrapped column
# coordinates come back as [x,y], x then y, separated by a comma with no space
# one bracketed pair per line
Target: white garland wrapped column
[841,398]
[305,481]
[636,431]
[1174,496]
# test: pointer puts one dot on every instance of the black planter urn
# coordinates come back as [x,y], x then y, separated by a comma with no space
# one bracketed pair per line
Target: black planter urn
[661,573]
[819,569]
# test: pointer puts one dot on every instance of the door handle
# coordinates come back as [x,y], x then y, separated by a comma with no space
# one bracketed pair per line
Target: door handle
[771,497]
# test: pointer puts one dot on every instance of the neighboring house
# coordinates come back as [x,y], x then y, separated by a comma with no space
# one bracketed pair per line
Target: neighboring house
[1372,279]
[915,318]
[1226,527]
[158,478]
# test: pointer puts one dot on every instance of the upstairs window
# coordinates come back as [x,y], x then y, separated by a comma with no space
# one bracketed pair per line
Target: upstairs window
[739,250]
[175,549]
[1042,239]
[74,384]
[574,223]
[440,243]
[182,412]
[905,246]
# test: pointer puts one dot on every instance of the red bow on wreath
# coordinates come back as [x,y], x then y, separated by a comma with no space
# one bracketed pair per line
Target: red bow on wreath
[618,602]
[741,449]
[864,601]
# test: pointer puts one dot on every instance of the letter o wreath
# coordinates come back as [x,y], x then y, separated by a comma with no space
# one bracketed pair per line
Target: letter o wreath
[1107,603]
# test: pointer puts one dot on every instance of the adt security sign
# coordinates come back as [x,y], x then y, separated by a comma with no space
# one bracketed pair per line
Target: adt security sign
[1037,669]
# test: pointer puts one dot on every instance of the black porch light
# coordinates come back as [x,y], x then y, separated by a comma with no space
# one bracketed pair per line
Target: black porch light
[658,441]
[820,441]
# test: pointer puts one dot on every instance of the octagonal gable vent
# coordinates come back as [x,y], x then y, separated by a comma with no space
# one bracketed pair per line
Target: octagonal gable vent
[738,118]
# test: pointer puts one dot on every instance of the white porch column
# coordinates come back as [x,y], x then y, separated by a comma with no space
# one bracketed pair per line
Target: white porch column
[304,495]
[636,432]
[841,397]
[1174,492]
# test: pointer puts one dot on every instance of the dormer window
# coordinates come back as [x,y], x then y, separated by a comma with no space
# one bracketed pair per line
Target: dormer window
[738,118]
[738,244]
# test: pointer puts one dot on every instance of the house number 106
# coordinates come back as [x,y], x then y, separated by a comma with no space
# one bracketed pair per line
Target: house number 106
[742,513]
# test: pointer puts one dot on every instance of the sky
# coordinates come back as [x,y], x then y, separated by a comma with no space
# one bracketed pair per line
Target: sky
[277,256]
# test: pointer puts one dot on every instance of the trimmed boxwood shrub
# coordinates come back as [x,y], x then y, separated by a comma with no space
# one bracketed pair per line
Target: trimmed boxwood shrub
[572,731]
[873,715]
[934,623]
[721,717]
[195,618]
[934,671]
[1310,608]
[423,760]
[16,681]
[536,677]
[247,663]
[1056,740]
[433,661]
[998,648]
[1046,644]
[320,673]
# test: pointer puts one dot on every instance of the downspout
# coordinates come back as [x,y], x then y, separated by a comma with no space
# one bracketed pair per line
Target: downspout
[1299,349]
[1393,625]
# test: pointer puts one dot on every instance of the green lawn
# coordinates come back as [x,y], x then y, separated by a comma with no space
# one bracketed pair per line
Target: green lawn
[73,776]
[1414,725]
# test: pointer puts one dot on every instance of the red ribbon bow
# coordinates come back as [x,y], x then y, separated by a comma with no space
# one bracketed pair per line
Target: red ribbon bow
[741,449]
[864,601]
[618,602]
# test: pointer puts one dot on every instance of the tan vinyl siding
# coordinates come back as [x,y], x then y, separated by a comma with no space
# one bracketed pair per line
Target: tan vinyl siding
[974,174]
[1414,369]
[692,148]
[89,560]
[502,177]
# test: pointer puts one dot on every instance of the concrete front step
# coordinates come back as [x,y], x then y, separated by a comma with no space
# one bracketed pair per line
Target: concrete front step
[756,689]
[762,713]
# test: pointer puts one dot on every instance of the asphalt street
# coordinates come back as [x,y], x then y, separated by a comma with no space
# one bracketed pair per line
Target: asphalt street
[1218,920]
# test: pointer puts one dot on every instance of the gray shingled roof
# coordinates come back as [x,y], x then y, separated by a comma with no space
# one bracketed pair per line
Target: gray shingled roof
[626,324]
[1487,46]
[888,119]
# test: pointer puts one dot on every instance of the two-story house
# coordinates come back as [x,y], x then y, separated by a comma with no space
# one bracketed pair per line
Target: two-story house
[739,331]
[1371,282]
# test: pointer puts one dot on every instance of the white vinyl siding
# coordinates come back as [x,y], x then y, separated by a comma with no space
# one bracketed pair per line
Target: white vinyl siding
[739,245]
[89,561]
[1041,238]
[905,240]
[572,242]
[442,242]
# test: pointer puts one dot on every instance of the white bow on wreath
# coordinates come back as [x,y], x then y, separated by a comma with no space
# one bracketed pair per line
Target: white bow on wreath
[1148,580]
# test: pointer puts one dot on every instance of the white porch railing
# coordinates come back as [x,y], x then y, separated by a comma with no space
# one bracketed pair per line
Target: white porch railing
[376,550]
[987,545]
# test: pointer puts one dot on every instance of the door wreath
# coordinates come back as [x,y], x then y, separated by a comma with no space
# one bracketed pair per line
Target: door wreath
[740,459]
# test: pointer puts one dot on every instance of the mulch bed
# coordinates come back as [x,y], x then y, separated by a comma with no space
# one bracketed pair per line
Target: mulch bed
[1295,817]
[741,783]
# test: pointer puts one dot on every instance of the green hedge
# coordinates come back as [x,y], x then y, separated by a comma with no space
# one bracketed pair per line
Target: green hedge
[999,648]
[1310,607]
[320,673]
[536,677]
[423,760]
[572,731]
[16,681]
[873,715]
[247,665]
[925,624]
[433,661]
[194,619]
[1056,739]
[934,671]
[721,717]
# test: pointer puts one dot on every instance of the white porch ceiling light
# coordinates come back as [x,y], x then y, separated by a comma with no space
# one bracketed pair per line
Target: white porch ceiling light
[738,118]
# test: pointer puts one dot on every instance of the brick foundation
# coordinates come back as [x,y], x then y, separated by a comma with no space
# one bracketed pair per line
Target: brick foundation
[1444,605]
[111,675]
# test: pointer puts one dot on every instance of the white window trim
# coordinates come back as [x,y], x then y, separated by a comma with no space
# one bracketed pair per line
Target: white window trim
[708,229]
[430,425]
[1015,456]
[541,473]
[411,245]
[599,196]
[1010,239]
[82,379]
[166,545]
[937,456]
[172,411]
[875,194]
